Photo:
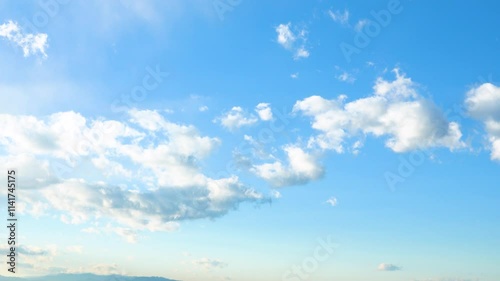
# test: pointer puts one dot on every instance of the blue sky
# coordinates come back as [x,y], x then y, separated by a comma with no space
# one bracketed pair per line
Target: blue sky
[254,140]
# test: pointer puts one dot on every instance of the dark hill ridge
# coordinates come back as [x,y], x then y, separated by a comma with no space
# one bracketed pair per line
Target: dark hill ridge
[84,277]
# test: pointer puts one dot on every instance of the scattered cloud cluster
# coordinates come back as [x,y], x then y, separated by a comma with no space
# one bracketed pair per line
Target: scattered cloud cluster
[483,103]
[293,39]
[237,117]
[161,156]
[32,44]
[395,111]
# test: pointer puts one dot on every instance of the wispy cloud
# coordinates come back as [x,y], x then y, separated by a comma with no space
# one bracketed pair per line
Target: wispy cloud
[332,201]
[341,17]
[361,24]
[209,264]
[346,77]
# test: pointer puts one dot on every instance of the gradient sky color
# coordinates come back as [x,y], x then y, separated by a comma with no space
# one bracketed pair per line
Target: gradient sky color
[228,140]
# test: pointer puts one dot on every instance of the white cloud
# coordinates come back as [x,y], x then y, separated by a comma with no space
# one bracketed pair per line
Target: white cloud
[340,17]
[483,103]
[36,260]
[395,110]
[264,111]
[361,24]
[203,108]
[346,77]
[286,38]
[332,201]
[300,169]
[388,267]
[293,40]
[236,118]
[210,263]
[275,194]
[98,269]
[163,183]
[31,44]
[301,52]
[294,75]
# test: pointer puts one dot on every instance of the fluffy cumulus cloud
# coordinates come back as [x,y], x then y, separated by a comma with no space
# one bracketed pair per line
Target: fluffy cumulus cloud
[301,167]
[264,111]
[293,39]
[236,118]
[483,103]
[395,111]
[150,176]
[388,267]
[31,44]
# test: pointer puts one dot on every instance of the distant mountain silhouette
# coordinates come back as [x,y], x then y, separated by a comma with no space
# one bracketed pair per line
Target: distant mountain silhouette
[84,277]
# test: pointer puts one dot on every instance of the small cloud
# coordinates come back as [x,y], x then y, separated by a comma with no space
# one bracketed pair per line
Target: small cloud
[361,24]
[370,63]
[294,75]
[332,201]
[203,108]
[286,38]
[388,267]
[210,263]
[236,118]
[346,77]
[340,17]
[301,53]
[264,111]
[293,41]
[275,194]
[31,44]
